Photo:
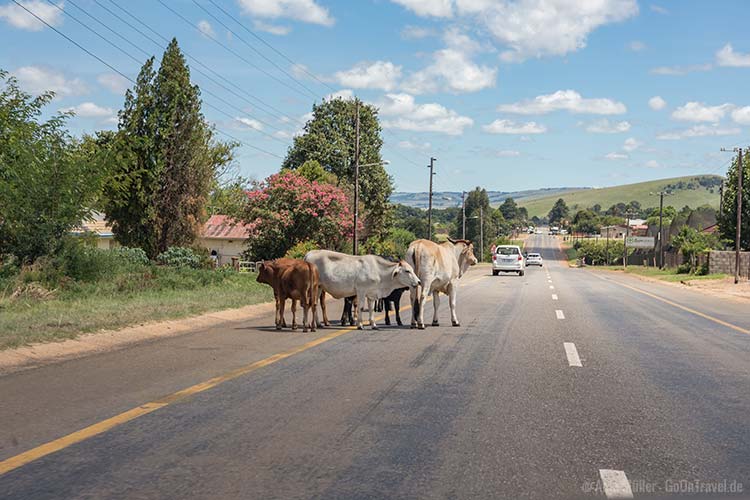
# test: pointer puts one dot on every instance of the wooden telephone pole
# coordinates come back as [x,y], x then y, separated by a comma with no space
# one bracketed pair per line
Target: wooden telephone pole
[429,209]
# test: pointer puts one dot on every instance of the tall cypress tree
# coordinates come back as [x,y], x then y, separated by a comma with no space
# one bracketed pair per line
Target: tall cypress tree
[167,159]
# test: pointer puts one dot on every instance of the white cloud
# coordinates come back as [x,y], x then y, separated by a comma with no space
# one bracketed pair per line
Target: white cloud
[699,112]
[531,28]
[659,9]
[652,164]
[616,156]
[307,11]
[637,46]
[400,111]
[511,127]
[741,115]
[681,70]
[381,75]
[274,29]
[113,82]
[564,100]
[424,146]
[416,32]
[250,123]
[657,103]
[726,56]
[19,18]
[452,69]
[344,94]
[206,29]
[698,131]
[604,126]
[39,79]
[431,8]
[631,144]
[90,110]
[507,153]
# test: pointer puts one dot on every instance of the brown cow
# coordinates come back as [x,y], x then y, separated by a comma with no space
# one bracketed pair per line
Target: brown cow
[292,279]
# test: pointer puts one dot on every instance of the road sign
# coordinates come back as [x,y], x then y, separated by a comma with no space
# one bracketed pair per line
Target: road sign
[640,241]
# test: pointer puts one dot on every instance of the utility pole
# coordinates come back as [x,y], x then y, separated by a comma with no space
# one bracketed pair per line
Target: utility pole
[429,209]
[607,228]
[721,197]
[660,242]
[463,215]
[481,233]
[739,218]
[628,214]
[355,249]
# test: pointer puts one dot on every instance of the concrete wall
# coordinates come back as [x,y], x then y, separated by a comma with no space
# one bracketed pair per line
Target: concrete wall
[723,262]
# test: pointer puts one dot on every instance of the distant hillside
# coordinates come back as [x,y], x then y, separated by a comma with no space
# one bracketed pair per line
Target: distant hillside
[444,199]
[693,191]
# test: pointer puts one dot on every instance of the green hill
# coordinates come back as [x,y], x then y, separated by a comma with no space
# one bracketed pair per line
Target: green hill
[693,191]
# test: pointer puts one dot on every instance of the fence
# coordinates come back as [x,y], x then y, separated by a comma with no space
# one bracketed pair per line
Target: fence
[723,262]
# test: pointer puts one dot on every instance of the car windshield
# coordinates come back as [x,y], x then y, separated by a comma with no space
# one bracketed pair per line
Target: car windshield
[508,251]
[534,255]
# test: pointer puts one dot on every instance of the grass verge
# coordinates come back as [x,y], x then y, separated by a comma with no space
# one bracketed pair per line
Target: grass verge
[150,293]
[670,275]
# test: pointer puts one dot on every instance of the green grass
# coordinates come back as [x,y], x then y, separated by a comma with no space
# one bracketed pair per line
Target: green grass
[150,294]
[606,197]
[670,275]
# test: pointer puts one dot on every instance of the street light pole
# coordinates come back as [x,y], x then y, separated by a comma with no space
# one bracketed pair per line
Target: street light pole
[429,209]
[481,233]
[738,233]
[463,217]
[356,181]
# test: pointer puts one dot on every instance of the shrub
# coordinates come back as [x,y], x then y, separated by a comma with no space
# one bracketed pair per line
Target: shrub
[299,250]
[180,257]
[130,255]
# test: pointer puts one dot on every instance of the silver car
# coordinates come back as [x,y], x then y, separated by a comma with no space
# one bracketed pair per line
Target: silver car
[534,259]
[507,258]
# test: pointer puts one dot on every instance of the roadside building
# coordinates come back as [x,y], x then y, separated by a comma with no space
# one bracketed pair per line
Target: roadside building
[225,238]
[99,230]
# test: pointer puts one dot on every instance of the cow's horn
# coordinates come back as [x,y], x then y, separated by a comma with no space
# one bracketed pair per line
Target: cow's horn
[452,241]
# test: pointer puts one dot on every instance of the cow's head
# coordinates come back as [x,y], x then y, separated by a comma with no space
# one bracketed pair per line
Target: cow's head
[265,273]
[465,255]
[404,275]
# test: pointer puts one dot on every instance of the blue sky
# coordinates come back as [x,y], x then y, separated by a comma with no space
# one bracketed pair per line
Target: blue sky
[507,94]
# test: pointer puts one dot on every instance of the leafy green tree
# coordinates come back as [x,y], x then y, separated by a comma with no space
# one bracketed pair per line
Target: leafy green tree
[691,243]
[559,212]
[312,170]
[509,209]
[49,182]
[329,138]
[478,203]
[229,198]
[166,159]
[728,213]
[586,221]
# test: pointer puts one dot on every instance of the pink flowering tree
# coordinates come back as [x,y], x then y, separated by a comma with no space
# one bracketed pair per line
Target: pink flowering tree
[287,209]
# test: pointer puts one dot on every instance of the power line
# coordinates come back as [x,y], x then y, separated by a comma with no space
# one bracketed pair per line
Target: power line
[230,50]
[120,72]
[256,101]
[255,50]
[267,44]
[204,90]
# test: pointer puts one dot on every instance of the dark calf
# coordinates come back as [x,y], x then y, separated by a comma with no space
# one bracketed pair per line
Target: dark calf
[347,315]
[394,298]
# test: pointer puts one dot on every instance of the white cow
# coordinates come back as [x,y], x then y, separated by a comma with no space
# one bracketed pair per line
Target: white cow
[438,266]
[369,277]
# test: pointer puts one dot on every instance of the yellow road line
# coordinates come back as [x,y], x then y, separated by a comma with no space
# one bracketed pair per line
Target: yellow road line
[680,306]
[56,445]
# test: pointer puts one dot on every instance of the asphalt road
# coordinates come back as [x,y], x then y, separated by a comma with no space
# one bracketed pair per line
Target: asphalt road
[496,408]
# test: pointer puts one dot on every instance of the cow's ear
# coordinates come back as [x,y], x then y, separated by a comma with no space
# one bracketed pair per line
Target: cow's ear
[260,266]
[395,270]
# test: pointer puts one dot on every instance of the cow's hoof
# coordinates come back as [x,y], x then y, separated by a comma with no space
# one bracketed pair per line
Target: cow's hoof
[374,327]
[360,327]
[413,326]
[304,330]
[455,323]
[435,323]
[421,327]
[400,324]
[278,327]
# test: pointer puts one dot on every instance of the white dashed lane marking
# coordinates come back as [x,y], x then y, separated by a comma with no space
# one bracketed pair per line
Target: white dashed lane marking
[551,287]
[615,484]
[554,296]
[572,353]
[559,314]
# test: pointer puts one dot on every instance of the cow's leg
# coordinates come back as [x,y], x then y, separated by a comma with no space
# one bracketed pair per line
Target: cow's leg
[386,305]
[304,302]
[361,299]
[422,301]
[452,293]
[371,306]
[414,298]
[396,307]
[294,314]
[282,305]
[323,308]
[278,318]
[436,305]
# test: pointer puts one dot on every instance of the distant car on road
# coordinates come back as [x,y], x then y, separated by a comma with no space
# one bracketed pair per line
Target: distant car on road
[538,231]
[534,259]
[509,259]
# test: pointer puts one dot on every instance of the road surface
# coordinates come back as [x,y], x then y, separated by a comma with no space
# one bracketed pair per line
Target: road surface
[564,383]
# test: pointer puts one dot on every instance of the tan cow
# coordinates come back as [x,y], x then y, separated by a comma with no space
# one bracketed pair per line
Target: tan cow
[296,280]
[438,267]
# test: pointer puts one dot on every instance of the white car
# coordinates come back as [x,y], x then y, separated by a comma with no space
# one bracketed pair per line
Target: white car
[538,231]
[534,259]
[509,259]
